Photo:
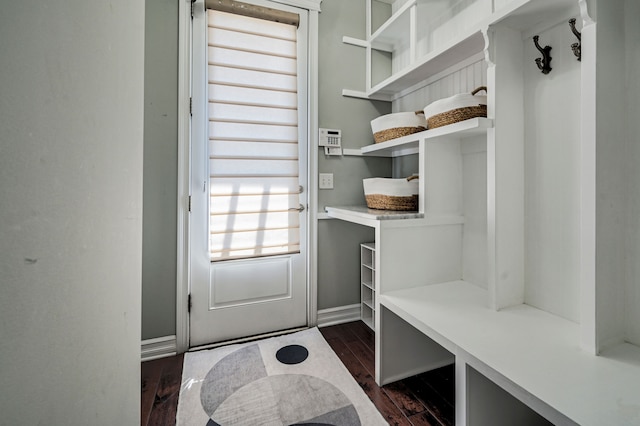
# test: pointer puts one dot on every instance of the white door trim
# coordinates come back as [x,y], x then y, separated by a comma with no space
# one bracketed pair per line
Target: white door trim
[184,150]
[184,137]
[312,170]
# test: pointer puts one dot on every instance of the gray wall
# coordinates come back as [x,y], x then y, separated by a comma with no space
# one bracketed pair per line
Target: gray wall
[339,262]
[159,253]
[632,85]
[343,67]
[71,123]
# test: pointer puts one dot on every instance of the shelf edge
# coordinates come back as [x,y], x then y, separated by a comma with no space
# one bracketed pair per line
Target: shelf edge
[452,130]
[351,152]
[431,58]
[364,95]
[354,41]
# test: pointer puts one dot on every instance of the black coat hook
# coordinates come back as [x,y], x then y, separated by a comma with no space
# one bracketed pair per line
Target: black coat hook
[544,63]
[576,47]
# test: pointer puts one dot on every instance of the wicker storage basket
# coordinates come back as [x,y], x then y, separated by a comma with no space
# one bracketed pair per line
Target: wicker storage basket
[392,126]
[391,194]
[456,108]
[391,202]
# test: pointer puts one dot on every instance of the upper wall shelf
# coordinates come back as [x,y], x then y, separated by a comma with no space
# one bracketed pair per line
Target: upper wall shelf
[525,15]
[399,33]
[431,64]
[407,145]
[394,30]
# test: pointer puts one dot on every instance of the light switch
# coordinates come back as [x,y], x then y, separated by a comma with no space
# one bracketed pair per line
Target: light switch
[326,181]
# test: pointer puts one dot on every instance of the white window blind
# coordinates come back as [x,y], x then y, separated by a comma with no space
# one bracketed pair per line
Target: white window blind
[253,137]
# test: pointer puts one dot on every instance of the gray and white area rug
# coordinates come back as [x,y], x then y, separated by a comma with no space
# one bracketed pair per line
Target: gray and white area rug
[294,379]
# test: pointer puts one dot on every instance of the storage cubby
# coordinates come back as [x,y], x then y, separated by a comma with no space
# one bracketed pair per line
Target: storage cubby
[487,398]
[368,284]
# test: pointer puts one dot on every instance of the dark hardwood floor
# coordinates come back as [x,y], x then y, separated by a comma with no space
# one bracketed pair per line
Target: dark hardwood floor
[426,399]
[161,380]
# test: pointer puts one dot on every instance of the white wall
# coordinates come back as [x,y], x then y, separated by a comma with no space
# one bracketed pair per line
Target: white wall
[71,116]
[552,175]
[613,185]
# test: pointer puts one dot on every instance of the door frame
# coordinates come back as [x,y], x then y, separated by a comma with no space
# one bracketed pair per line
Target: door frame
[184,171]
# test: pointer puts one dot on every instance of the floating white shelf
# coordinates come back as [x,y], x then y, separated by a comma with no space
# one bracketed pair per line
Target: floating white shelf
[394,30]
[369,217]
[410,144]
[430,64]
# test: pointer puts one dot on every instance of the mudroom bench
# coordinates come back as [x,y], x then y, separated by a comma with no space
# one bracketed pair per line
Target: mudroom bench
[519,365]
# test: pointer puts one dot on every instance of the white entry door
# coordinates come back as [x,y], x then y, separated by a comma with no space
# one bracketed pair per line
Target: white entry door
[248,225]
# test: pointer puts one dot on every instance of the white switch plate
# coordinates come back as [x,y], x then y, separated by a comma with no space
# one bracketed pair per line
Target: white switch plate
[326,181]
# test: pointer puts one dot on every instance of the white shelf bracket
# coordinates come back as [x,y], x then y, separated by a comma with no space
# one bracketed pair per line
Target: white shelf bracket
[584,13]
[489,55]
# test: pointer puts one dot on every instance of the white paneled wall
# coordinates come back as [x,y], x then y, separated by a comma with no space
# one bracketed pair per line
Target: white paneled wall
[441,22]
[474,194]
[401,58]
[552,178]
[464,80]
[396,4]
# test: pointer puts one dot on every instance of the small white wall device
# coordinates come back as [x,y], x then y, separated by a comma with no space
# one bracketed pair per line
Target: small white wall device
[331,140]
[330,137]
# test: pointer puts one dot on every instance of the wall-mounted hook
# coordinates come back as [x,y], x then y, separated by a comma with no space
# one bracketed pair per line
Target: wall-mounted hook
[576,47]
[544,63]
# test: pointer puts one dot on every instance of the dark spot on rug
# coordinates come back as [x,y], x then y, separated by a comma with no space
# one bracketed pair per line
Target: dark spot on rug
[292,354]
[212,423]
[313,424]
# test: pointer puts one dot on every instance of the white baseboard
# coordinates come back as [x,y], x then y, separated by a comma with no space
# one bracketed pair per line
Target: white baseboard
[162,347]
[338,315]
[159,347]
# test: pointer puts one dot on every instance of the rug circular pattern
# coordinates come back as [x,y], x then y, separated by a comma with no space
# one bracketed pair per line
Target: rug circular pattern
[292,354]
[238,390]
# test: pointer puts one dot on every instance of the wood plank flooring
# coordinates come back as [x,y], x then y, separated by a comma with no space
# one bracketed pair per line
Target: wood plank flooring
[423,400]
[160,388]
